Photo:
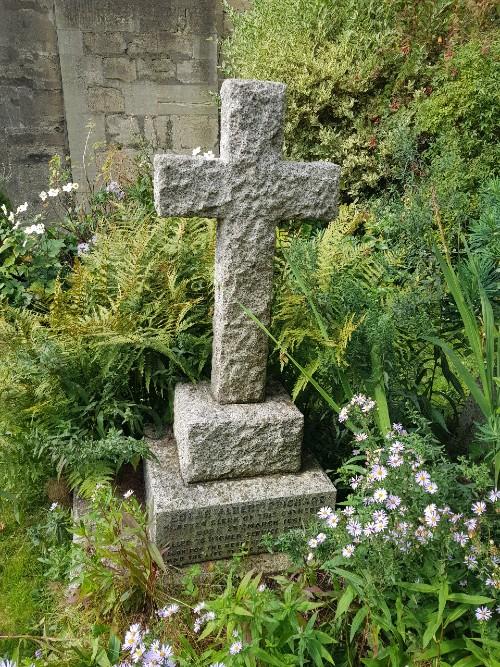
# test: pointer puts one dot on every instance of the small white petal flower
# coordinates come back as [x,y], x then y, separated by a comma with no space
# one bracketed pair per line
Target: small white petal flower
[355,481]
[333,521]
[68,187]
[53,507]
[378,473]
[166,612]
[35,229]
[320,538]
[348,550]
[235,648]
[422,478]
[197,150]
[379,495]
[354,528]
[360,437]
[22,208]
[479,507]
[324,512]
[209,155]
[128,494]
[483,614]
[343,415]
[43,195]
[312,543]
[53,192]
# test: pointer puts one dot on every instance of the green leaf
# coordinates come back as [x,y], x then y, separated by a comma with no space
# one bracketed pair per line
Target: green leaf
[469,599]
[358,619]
[431,629]
[455,614]
[268,658]
[441,648]
[156,556]
[420,588]
[345,602]
[349,576]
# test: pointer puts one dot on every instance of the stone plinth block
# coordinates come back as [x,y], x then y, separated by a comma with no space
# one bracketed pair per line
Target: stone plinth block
[235,440]
[211,520]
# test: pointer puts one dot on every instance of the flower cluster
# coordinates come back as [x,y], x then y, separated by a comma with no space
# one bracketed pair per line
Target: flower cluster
[209,155]
[364,403]
[390,507]
[202,617]
[114,188]
[154,655]
[68,188]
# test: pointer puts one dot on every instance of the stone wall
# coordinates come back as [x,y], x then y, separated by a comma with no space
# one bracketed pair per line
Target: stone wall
[32,126]
[138,70]
[130,69]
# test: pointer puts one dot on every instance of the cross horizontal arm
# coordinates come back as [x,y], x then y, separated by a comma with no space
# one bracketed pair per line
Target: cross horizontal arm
[305,189]
[189,186]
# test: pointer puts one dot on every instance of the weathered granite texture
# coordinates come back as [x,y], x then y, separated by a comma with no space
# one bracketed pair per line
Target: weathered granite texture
[249,189]
[216,440]
[211,520]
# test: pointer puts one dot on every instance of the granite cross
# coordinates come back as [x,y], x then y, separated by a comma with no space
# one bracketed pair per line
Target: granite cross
[248,189]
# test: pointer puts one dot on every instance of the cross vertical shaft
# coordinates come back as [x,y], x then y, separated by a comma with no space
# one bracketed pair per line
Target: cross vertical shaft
[248,189]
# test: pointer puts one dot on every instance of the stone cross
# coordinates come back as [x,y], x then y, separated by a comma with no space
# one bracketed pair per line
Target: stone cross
[248,189]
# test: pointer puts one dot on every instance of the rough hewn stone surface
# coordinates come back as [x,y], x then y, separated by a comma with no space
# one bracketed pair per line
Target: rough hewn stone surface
[212,520]
[236,440]
[249,189]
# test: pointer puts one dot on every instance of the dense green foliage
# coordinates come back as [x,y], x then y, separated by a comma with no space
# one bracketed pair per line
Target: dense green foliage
[405,97]
[103,312]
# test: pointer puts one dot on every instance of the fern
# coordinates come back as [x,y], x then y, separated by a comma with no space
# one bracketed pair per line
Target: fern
[132,319]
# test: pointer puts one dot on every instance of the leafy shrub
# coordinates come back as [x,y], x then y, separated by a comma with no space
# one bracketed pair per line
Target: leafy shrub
[112,345]
[357,73]
[115,563]
[413,546]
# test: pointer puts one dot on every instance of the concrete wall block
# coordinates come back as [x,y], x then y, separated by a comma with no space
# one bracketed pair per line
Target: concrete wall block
[158,132]
[178,47]
[105,43]
[146,98]
[101,16]
[205,48]
[188,132]
[70,43]
[159,69]
[105,100]
[122,130]
[196,71]
[186,94]
[23,26]
[121,68]
[91,70]
[146,42]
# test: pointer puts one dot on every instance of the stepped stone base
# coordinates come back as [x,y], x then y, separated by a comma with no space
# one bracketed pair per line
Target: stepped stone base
[235,440]
[212,520]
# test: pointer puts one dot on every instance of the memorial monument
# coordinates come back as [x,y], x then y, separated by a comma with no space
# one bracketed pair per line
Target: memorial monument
[234,469]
